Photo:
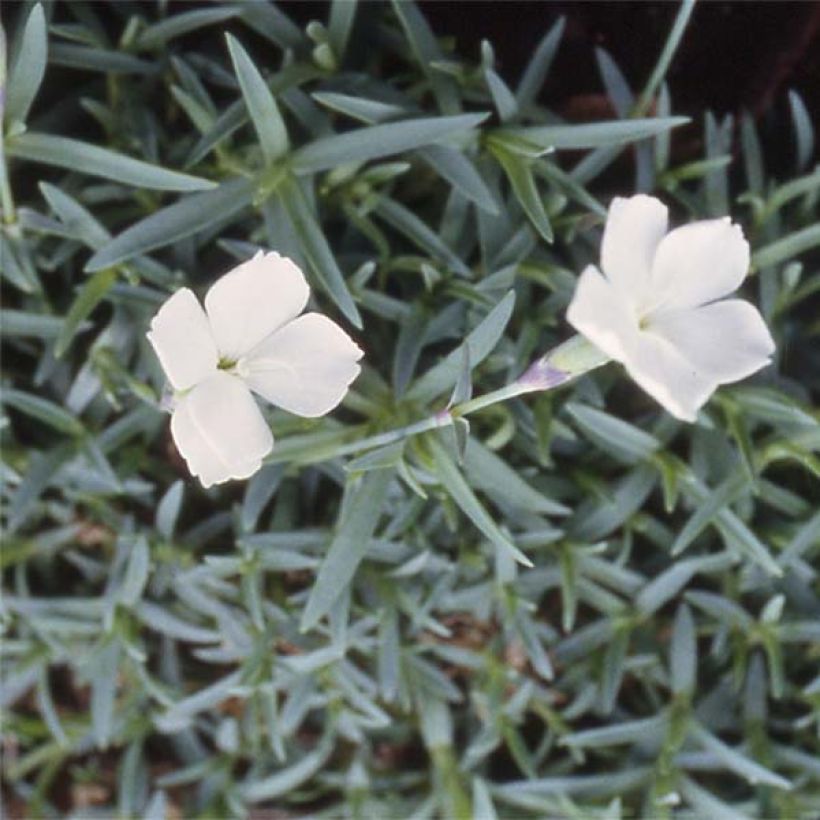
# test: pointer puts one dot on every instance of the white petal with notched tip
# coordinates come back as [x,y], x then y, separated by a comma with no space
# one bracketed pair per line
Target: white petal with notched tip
[219,430]
[182,339]
[305,367]
[254,300]
[601,313]
[725,341]
[634,228]
[699,263]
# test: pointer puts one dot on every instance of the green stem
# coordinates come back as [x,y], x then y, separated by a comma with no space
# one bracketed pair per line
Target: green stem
[560,366]
[662,66]
[442,419]
[509,391]
[6,199]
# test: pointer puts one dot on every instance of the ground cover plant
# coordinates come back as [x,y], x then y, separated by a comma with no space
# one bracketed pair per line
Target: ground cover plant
[348,633]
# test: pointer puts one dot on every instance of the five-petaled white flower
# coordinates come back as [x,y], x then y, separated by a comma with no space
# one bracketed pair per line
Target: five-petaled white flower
[250,337]
[655,307]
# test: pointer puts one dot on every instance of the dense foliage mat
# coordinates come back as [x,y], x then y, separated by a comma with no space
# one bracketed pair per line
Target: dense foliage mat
[346,634]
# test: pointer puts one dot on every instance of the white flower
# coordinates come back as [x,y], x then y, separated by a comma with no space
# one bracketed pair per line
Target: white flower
[250,337]
[655,309]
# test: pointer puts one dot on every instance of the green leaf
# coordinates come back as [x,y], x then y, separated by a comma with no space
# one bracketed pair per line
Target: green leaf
[803,130]
[273,24]
[539,65]
[427,52]
[91,294]
[376,141]
[184,218]
[262,107]
[136,573]
[596,134]
[77,219]
[481,341]
[504,100]
[99,59]
[360,108]
[43,410]
[665,59]
[463,389]
[340,24]
[671,581]
[29,67]
[489,472]
[789,246]
[100,162]
[406,222]
[364,500]
[615,83]
[159,34]
[623,440]
[104,665]
[379,459]
[733,760]
[288,779]
[519,172]
[36,325]
[455,485]
[317,250]
[452,165]
[684,653]
[168,509]
[42,468]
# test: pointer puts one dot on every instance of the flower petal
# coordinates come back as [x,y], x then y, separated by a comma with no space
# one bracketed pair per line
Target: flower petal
[634,227]
[727,340]
[305,367]
[660,369]
[600,311]
[253,300]
[182,339]
[219,430]
[699,263]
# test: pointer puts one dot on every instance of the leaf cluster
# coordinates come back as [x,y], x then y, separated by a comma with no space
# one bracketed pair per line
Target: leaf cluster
[352,633]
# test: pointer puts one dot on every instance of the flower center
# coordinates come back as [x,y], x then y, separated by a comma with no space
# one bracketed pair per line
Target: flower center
[226,364]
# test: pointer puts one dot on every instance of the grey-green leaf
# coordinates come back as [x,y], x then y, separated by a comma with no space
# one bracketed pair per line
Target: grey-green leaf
[362,512]
[519,173]
[376,141]
[481,340]
[597,134]
[183,218]
[451,164]
[315,247]
[26,74]
[453,482]
[262,107]
[100,162]
[91,294]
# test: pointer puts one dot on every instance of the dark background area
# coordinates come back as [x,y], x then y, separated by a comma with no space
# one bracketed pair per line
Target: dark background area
[734,55]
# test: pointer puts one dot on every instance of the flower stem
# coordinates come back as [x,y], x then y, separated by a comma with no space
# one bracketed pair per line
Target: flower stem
[441,419]
[561,365]
[6,199]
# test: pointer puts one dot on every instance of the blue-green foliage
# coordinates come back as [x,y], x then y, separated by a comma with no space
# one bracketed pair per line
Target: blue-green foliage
[348,633]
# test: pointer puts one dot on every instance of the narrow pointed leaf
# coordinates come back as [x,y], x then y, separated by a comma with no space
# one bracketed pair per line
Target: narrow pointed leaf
[455,485]
[100,162]
[362,512]
[366,144]
[184,218]
[26,74]
[262,107]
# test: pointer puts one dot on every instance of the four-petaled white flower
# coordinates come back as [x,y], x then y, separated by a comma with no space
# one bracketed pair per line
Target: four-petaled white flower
[250,337]
[655,307]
